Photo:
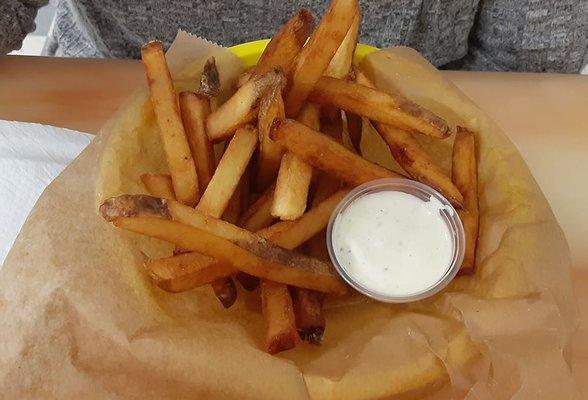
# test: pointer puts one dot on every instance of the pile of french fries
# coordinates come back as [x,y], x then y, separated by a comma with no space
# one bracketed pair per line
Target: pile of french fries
[258,216]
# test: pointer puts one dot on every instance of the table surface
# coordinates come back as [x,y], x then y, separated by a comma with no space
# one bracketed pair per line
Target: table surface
[543,114]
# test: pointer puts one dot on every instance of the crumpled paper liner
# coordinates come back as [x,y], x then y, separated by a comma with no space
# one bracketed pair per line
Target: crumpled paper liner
[81,320]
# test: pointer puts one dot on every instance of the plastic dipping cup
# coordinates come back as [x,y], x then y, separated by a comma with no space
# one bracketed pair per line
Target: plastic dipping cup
[396,240]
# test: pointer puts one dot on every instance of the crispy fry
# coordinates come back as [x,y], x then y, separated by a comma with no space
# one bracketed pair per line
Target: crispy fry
[286,44]
[413,159]
[291,234]
[228,172]
[316,55]
[195,109]
[308,310]
[167,113]
[258,215]
[279,317]
[464,174]
[340,64]
[249,282]
[290,196]
[159,185]
[225,290]
[324,153]
[259,259]
[378,106]
[270,153]
[186,271]
[241,108]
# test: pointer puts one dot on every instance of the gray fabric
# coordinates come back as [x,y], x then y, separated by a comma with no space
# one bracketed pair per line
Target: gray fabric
[17,18]
[517,35]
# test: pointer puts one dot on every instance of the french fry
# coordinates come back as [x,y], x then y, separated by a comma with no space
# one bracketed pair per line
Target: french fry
[195,109]
[279,317]
[324,153]
[290,196]
[159,185]
[165,105]
[228,172]
[464,174]
[258,215]
[308,310]
[270,153]
[340,64]
[407,151]
[286,44]
[249,282]
[378,106]
[316,55]
[225,290]
[240,109]
[291,234]
[271,263]
[186,271]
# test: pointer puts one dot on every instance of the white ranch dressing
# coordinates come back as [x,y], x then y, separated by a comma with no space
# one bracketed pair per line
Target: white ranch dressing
[393,243]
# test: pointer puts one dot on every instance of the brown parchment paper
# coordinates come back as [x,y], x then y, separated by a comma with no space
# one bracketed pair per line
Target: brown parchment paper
[79,319]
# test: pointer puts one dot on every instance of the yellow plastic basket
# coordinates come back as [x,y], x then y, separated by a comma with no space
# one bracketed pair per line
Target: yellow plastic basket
[250,52]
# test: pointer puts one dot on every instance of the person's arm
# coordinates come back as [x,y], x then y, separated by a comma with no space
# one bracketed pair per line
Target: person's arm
[17,18]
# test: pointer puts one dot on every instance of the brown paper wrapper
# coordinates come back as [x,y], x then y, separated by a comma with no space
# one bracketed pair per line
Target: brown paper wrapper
[79,318]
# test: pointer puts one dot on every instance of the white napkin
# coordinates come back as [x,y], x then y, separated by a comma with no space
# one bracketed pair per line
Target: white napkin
[31,156]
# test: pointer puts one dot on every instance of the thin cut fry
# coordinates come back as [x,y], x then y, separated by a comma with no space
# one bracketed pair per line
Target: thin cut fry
[279,317]
[315,56]
[241,108]
[278,267]
[159,185]
[195,109]
[465,177]
[290,196]
[228,172]
[324,153]
[225,290]
[167,113]
[308,310]
[340,64]
[291,234]
[413,159]
[270,153]
[258,215]
[286,44]
[378,106]
[186,271]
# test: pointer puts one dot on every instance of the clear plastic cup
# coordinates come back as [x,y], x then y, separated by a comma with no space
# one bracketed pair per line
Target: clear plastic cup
[424,193]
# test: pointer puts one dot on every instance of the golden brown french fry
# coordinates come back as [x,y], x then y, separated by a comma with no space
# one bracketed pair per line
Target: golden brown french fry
[308,310]
[324,153]
[165,105]
[240,108]
[279,317]
[407,151]
[186,271]
[316,55]
[464,174]
[249,282]
[258,215]
[378,106]
[225,290]
[273,264]
[340,64]
[286,44]
[159,185]
[291,234]
[294,175]
[195,109]
[228,173]
[270,153]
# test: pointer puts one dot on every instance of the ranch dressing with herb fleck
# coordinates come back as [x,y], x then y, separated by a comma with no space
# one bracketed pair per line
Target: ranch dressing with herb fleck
[393,242]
